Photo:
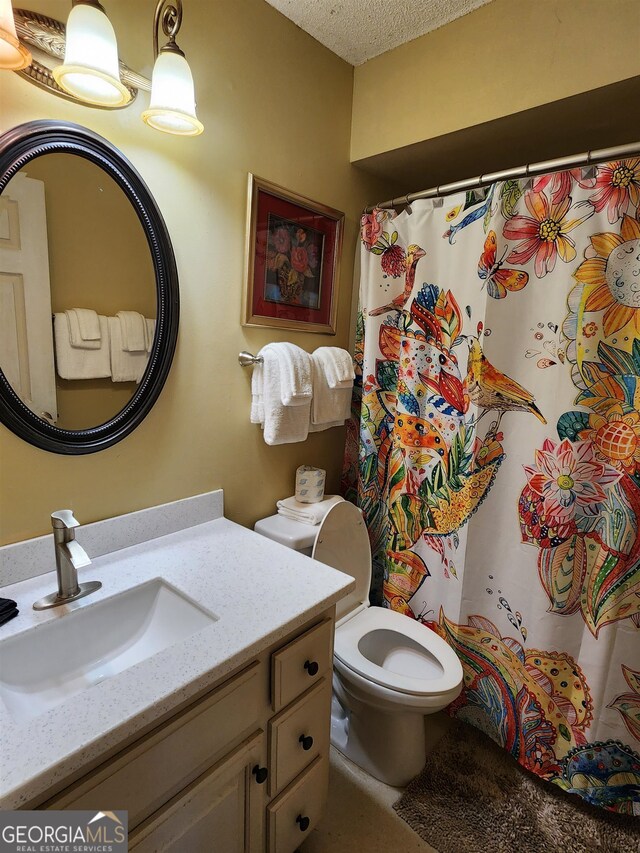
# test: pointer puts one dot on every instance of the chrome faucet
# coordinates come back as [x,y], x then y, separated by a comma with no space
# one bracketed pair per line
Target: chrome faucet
[70,556]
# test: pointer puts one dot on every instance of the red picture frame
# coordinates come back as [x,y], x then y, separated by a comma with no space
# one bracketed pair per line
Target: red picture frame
[293,257]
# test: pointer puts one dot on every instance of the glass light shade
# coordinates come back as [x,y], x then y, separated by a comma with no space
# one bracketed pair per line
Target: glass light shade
[90,71]
[13,55]
[172,107]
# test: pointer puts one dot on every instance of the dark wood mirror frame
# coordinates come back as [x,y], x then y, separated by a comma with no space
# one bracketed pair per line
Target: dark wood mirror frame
[17,147]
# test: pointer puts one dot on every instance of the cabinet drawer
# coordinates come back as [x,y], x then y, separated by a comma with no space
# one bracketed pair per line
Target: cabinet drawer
[298,734]
[294,814]
[143,777]
[221,811]
[301,663]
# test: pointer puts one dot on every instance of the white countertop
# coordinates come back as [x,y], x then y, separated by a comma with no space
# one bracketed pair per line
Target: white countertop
[260,591]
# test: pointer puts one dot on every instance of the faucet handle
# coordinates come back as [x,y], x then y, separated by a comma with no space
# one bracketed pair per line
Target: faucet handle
[64,518]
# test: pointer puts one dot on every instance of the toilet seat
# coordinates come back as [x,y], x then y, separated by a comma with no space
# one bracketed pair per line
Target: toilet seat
[348,639]
[343,543]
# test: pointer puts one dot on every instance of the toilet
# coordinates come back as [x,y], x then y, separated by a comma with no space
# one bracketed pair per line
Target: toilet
[389,670]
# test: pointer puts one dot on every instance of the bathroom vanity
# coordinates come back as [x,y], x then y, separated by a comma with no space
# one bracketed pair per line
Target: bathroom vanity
[219,741]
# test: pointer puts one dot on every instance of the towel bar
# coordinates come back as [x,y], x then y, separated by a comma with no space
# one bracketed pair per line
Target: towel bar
[246,358]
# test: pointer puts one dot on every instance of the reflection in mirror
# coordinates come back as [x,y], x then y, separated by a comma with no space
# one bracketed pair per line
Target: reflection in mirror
[70,239]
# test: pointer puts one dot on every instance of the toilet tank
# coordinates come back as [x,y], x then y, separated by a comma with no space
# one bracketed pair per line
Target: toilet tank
[294,534]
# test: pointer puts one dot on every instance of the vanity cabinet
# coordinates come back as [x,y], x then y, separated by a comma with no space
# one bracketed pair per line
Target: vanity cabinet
[243,769]
[221,810]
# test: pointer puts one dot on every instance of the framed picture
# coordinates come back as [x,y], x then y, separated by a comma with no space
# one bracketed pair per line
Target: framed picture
[293,254]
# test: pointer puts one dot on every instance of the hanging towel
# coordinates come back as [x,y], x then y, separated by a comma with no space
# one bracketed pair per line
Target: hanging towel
[307,513]
[338,366]
[281,424]
[80,363]
[257,405]
[150,331]
[126,366]
[133,331]
[321,427]
[84,328]
[295,374]
[330,406]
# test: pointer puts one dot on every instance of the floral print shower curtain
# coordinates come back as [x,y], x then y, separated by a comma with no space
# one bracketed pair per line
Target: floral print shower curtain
[495,453]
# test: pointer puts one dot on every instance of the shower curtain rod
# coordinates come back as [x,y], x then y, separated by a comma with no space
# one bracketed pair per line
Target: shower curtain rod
[585,159]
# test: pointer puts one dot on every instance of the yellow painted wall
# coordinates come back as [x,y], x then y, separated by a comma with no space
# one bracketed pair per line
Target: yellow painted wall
[505,57]
[91,225]
[276,103]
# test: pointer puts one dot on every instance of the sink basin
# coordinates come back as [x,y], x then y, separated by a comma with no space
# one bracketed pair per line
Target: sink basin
[49,663]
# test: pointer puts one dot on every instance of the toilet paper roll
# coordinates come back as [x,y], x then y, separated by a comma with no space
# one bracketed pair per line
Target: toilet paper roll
[310,484]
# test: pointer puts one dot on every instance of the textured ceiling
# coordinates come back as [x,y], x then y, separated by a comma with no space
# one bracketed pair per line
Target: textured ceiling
[358,30]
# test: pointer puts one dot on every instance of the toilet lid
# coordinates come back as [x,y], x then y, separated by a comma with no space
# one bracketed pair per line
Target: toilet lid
[416,660]
[343,543]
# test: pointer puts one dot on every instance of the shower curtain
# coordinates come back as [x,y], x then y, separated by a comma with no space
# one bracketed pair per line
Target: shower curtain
[495,453]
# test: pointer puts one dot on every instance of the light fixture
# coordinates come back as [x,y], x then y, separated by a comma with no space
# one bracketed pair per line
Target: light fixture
[90,71]
[13,54]
[172,106]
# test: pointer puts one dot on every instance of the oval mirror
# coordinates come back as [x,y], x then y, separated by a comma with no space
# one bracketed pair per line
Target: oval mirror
[88,290]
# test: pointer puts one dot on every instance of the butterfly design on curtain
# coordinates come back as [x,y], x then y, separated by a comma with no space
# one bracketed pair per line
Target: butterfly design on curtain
[499,279]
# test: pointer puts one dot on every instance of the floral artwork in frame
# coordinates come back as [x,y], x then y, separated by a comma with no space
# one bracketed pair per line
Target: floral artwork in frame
[293,253]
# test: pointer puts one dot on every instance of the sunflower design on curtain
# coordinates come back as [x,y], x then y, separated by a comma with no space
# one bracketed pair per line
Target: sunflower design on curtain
[495,453]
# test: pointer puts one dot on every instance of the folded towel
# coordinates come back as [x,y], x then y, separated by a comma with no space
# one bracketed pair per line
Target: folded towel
[295,374]
[126,366]
[307,513]
[281,424]
[84,328]
[150,332]
[338,366]
[329,406]
[134,331]
[76,363]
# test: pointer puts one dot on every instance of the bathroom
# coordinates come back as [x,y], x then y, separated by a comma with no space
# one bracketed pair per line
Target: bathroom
[278,104]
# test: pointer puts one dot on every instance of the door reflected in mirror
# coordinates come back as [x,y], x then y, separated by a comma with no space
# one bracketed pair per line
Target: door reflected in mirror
[70,239]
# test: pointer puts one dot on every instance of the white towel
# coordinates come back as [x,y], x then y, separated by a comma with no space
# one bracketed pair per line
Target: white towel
[133,331]
[307,513]
[125,366]
[338,366]
[77,363]
[322,427]
[257,405]
[84,328]
[295,374]
[150,331]
[281,424]
[330,406]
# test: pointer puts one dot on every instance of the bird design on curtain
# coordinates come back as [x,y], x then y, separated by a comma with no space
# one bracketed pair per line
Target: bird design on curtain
[495,453]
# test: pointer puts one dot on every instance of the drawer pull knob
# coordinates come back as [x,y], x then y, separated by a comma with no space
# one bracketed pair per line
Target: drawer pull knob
[303,822]
[260,773]
[311,666]
[306,741]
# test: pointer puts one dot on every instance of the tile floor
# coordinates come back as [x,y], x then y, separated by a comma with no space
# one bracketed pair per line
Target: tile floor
[360,816]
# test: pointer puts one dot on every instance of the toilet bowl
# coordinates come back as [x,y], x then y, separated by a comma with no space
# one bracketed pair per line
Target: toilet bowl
[389,670]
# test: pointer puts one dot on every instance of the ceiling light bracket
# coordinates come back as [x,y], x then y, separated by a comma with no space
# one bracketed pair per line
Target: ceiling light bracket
[168,15]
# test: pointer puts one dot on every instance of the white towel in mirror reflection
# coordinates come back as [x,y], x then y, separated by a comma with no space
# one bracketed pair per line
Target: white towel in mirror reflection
[79,362]
[126,365]
[107,356]
[133,331]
